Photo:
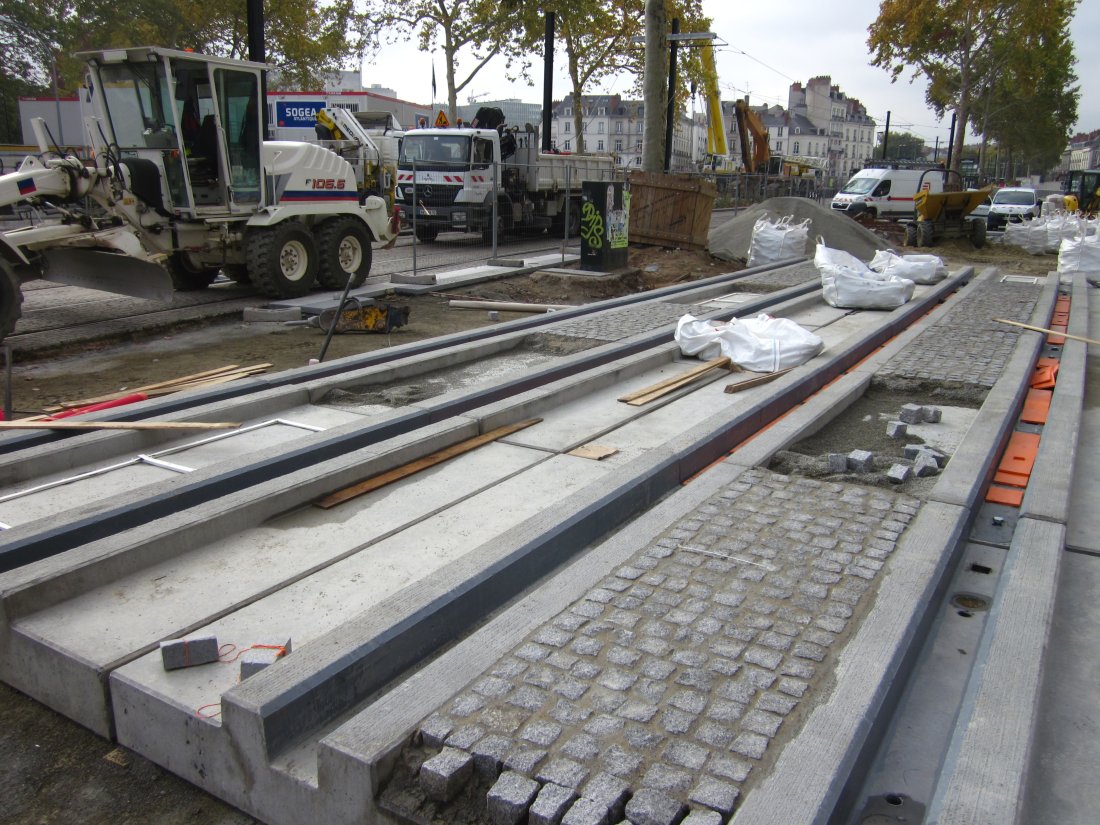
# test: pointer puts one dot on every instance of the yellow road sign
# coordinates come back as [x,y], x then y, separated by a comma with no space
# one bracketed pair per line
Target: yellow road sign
[441,120]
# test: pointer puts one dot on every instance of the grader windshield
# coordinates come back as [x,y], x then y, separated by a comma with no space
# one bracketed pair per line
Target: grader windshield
[138,105]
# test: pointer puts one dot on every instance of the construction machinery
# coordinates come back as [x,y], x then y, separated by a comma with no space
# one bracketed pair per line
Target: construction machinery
[1084,185]
[458,179]
[756,156]
[717,157]
[180,186]
[372,156]
[946,214]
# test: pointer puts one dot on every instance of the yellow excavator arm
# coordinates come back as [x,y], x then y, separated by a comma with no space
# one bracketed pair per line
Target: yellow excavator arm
[757,157]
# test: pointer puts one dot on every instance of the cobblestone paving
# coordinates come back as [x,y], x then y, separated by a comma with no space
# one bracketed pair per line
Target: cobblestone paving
[624,322]
[670,682]
[777,279]
[966,347]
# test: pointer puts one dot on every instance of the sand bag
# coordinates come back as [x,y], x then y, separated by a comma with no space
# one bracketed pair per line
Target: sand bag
[777,240]
[1080,253]
[760,344]
[849,283]
[920,269]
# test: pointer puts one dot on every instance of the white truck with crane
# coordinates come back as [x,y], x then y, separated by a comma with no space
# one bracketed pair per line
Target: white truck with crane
[181,186]
[447,178]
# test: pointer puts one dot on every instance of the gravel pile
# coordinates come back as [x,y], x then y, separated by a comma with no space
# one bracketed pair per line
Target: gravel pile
[731,240]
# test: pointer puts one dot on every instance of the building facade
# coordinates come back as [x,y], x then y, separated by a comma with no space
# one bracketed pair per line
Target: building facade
[616,126]
[842,121]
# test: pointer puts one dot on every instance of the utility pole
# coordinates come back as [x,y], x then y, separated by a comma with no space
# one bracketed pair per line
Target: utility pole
[656,56]
[257,51]
[886,136]
[670,114]
[548,81]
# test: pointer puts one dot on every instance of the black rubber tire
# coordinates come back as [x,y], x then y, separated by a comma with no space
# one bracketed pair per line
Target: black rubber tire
[925,233]
[910,234]
[237,273]
[426,234]
[343,246]
[186,276]
[977,233]
[574,228]
[487,230]
[282,259]
[11,300]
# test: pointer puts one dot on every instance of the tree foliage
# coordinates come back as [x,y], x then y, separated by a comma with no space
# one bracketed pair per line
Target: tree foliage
[599,40]
[306,40]
[470,31]
[902,146]
[962,47]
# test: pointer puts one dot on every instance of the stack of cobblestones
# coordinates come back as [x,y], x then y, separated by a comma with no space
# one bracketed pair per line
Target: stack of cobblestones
[671,683]
[966,347]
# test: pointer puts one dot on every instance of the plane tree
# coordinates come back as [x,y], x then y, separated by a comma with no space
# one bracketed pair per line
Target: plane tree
[960,47]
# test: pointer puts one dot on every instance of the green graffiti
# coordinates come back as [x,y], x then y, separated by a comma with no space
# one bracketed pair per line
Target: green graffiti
[591,225]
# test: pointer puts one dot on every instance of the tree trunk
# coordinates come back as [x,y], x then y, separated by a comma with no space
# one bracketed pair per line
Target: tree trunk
[656,85]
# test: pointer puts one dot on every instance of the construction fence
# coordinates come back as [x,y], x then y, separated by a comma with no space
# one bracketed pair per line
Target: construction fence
[496,208]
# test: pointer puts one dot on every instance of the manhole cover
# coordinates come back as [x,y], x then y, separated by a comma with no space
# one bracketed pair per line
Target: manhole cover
[970,601]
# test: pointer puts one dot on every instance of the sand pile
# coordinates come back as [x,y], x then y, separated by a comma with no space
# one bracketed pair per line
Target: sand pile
[731,240]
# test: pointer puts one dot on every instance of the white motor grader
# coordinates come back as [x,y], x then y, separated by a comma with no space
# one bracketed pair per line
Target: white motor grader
[180,185]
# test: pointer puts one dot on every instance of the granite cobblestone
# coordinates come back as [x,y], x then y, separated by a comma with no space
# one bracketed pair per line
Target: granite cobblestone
[682,703]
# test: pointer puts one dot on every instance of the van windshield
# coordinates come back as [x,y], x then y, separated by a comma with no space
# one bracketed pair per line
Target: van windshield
[1015,198]
[859,186]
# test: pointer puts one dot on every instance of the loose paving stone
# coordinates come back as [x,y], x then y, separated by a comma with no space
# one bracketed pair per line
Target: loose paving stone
[446,773]
[585,812]
[925,465]
[434,730]
[609,791]
[933,415]
[509,798]
[715,794]
[861,461]
[911,413]
[652,807]
[489,754]
[899,473]
[550,805]
[896,429]
[703,818]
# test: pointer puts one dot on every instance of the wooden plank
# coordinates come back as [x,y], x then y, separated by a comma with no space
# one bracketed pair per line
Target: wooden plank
[594,451]
[117,425]
[748,383]
[157,386]
[1048,331]
[676,380]
[670,209]
[413,467]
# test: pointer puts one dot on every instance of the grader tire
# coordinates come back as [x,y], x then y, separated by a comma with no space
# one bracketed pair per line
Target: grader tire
[188,276]
[344,249]
[11,300]
[282,259]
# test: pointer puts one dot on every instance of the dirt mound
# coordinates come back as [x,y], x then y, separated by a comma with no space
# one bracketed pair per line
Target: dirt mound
[731,240]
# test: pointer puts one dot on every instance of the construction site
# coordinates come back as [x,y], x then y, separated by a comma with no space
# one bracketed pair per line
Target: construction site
[439,478]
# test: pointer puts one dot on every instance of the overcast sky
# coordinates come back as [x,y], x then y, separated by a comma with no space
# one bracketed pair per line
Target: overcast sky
[769,44]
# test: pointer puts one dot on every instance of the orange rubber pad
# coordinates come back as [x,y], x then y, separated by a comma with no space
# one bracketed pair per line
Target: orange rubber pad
[1004,495]
[1046,373]
[1037,406]
[1018,460]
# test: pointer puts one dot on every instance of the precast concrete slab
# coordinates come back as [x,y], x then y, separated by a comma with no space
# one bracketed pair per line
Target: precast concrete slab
[1083,527]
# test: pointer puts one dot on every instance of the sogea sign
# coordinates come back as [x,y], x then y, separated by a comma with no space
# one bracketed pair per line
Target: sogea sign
[297,114]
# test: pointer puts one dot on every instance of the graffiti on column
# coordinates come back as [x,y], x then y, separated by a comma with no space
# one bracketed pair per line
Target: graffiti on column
[591,225]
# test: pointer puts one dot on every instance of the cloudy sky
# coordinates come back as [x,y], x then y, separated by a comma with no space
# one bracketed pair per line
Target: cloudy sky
[769,45]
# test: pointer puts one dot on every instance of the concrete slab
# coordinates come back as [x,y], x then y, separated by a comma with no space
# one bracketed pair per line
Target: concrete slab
[985,775]
[1083,527]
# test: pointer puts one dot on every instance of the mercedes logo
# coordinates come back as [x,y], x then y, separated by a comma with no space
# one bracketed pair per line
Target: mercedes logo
[427,190]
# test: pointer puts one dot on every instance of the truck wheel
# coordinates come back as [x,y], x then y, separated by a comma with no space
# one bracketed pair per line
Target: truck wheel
[487,230]
[925,233]
[187,275]
[344,246]
[427,234]
[977,233]
[282,259]
[910,234]
[11,299]
[574,227]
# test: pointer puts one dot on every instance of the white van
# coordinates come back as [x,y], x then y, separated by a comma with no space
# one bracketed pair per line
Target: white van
[885,192]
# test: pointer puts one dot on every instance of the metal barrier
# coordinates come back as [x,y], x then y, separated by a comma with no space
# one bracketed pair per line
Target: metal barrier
[449,206]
